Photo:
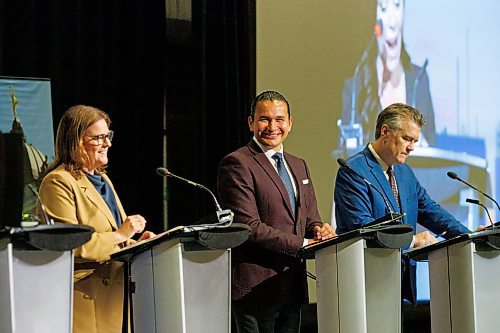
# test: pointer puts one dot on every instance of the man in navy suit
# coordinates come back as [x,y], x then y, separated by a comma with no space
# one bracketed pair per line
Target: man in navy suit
[272,192]
[397,130]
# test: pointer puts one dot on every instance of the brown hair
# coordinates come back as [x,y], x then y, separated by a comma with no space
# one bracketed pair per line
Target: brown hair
[69,148]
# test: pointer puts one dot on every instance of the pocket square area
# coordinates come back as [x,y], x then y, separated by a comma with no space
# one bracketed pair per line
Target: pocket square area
[305,181]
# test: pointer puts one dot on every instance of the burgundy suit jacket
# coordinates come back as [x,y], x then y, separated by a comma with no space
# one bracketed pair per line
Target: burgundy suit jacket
[265,268]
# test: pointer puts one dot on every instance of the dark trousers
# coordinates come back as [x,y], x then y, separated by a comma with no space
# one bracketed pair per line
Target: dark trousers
[267,318]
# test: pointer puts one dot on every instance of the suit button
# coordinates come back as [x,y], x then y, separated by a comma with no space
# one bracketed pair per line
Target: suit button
[105,282]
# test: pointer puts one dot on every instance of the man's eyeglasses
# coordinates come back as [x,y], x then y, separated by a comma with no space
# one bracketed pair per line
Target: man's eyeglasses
[99,139]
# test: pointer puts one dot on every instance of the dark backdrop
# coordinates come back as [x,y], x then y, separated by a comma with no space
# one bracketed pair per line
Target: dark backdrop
[210,72]
[126,58]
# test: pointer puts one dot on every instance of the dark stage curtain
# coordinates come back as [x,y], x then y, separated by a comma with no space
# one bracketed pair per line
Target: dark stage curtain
[210,82]
[125,57]
[108,54]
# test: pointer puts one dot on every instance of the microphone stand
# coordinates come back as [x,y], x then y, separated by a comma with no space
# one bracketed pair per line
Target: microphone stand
[46,218]
[417,82]
[354,129]
[454,176]
[224,217]
[477,202]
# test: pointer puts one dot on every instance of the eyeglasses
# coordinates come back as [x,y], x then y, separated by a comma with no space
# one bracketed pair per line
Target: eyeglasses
[99,139]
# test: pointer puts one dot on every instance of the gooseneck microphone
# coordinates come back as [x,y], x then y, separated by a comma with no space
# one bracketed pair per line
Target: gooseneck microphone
[165,173]
[453,175]
[416,83]
[344,164]
[476,202]
[46,218]
[377,32]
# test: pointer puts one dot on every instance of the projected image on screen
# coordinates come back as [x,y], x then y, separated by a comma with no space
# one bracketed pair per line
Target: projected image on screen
[342,61]
[422,60]
[412,47]
[26,110]
[384,75]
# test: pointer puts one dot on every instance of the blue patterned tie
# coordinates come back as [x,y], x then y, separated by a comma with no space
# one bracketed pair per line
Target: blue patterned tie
[285,177]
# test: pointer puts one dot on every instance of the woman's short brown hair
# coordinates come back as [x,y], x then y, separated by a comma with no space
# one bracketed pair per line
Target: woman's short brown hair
[69,148]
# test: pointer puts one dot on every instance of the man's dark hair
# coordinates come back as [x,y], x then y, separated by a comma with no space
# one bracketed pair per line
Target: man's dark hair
[268,96]
[394,114]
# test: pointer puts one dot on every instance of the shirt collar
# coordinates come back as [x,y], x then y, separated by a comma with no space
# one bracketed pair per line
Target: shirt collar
[268,151]
[384,165]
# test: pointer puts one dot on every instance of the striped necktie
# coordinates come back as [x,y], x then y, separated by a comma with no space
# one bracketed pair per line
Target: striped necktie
[392,181]
[285,177]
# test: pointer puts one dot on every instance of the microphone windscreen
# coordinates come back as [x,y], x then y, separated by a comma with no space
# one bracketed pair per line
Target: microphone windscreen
[452,175]
[378,28]
[472,201]
[342,162]
[162,172]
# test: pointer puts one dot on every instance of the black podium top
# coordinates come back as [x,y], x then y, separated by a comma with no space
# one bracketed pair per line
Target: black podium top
[391,235]
[54,237]
[194,237]
[486,240]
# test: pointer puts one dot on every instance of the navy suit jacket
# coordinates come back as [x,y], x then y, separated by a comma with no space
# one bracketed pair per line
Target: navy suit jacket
[265,268]
[356,204]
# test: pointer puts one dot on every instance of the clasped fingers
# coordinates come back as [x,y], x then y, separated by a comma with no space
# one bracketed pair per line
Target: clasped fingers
[136,222]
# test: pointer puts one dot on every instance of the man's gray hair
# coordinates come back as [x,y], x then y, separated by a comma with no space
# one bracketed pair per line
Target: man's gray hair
[394,114]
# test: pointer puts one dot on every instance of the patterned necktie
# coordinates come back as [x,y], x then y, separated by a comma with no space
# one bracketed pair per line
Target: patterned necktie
[285,177]
[392,181]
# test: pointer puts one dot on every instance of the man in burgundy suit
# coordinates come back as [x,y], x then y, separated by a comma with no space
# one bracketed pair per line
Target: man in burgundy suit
[272,192]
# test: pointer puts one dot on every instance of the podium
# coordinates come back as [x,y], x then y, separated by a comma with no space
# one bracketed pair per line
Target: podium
[36,277]
[358,279]
[463,274]
[181,281]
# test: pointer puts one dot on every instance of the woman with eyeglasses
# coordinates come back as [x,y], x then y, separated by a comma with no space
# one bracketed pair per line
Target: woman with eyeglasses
[77,190]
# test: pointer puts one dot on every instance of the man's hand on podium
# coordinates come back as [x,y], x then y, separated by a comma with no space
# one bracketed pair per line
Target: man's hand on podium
[423,238]
[322,233]
[481,227]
